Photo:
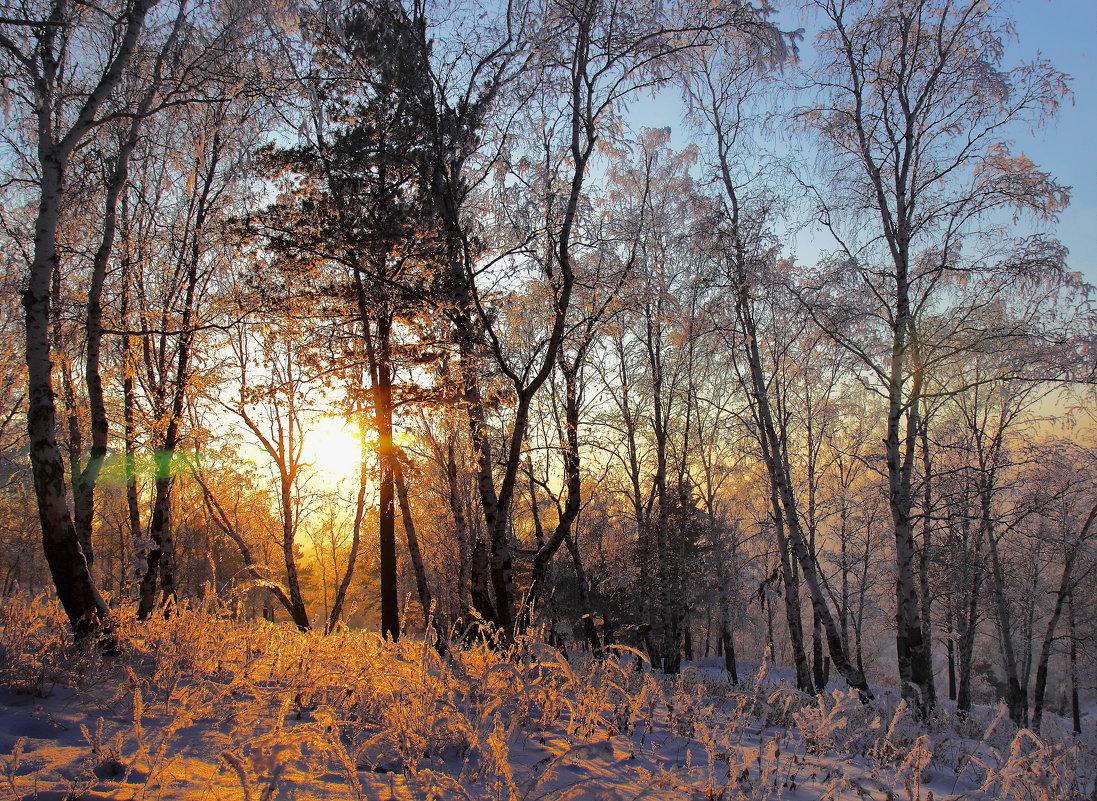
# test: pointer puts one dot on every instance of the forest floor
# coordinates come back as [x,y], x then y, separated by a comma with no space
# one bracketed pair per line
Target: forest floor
[199,707]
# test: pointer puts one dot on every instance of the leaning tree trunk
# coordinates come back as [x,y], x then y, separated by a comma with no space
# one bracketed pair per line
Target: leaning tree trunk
[777,467]
[573,486]
[792,602]
[415,553]
[590,631]
[355,540]
[1045,647]
[289,537]
[497,505]
[775,460]
[1061,597]
[222,521]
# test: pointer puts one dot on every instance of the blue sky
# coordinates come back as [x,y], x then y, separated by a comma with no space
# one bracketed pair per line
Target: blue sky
[1065,32]
[1062,31]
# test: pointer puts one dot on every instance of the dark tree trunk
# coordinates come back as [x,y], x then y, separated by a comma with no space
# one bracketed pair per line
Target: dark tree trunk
[820,664]
[465,333]
[470,355]
[967,650]
[382,401]
[129,405]
[390,609]
[792,603]
[70,571]
[969,620]
[461,531]
[422,585]
[770,634]
[480,568]
[1064,596]
[1049,639]
[926,551]
[1016,692]
[1075,707]
[161,560]
[572,484]
[289,536]
[727,645]
[912,648]
[377,311]
[84,480]
[590,631]
[950,653]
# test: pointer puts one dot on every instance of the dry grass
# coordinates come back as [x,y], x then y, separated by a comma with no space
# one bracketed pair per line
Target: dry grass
[198,706]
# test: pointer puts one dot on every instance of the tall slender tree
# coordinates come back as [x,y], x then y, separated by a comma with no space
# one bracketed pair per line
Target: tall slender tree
[913,107]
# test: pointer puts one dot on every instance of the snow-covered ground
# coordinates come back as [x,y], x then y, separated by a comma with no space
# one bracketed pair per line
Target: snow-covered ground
[198,707]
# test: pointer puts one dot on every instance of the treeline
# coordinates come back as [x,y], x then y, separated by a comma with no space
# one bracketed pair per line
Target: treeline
[596,396]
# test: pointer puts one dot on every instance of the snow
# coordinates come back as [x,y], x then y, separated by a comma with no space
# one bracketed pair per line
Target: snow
[200,707]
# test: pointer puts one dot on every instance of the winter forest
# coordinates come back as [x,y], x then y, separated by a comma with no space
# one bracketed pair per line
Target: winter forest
[540,399]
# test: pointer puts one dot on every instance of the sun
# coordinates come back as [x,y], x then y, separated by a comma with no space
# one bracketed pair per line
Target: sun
[333,448]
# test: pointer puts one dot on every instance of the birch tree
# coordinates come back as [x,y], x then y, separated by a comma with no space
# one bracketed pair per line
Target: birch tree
[913,110]
[65,99]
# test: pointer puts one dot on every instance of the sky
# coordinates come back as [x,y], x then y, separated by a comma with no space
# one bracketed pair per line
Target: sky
[1065,32]
[1061,31]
